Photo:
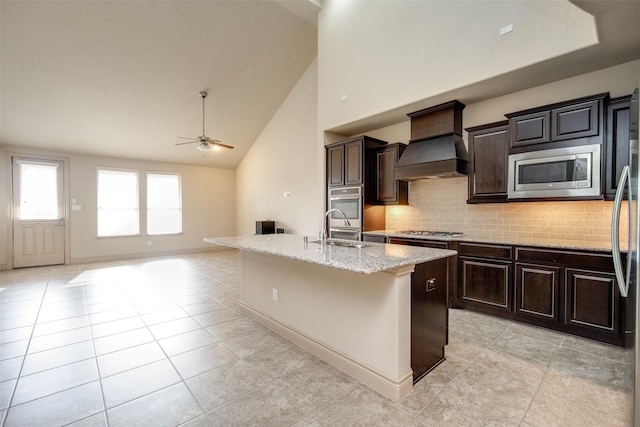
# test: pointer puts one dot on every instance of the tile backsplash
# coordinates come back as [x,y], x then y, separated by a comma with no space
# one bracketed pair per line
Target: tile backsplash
[442,205]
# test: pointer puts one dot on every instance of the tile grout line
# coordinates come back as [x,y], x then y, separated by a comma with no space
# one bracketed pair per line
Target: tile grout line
[24,356]
[546,371]
[95,356]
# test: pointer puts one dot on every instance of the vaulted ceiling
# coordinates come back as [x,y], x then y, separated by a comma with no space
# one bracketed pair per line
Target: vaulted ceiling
[122,78]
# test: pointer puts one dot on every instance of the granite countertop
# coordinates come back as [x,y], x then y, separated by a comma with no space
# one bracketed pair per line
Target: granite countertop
[373,258]
[544,243]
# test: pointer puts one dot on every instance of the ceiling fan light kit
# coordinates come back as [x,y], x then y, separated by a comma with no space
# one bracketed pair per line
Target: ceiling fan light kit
[204,142]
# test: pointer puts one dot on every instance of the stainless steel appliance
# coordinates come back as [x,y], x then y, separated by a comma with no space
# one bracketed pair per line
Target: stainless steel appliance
[628,277]
[559,172]
[349,201]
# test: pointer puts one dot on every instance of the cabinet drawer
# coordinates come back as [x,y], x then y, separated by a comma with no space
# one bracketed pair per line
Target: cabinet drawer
[486,251]
[375,238]
[598,261]
[419,242]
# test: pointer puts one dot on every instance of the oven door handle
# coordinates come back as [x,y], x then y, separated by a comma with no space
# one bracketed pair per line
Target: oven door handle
[345,198]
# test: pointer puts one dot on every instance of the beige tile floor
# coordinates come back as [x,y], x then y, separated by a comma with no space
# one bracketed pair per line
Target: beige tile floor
[160,342]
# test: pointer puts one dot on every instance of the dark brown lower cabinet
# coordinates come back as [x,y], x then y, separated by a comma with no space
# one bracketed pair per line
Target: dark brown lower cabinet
[429,316]
[572,291]
[537,292]
[484,272]
[452,291]
[593,300]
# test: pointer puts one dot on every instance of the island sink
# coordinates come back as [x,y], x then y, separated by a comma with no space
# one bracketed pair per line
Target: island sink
[344,243]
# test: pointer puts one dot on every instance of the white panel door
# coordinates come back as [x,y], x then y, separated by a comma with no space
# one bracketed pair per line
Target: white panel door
[38,212]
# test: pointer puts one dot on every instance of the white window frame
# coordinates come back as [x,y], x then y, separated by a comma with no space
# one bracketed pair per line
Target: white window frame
[179,209]
[137,198]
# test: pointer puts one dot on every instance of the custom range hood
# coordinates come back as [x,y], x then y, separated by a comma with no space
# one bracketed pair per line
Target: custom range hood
[436,148]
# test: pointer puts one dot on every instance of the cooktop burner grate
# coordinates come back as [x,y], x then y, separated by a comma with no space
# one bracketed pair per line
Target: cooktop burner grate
[431,233]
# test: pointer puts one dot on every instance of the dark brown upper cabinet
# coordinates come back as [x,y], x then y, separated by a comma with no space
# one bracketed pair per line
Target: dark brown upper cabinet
[346,160]
[388,190]
[488,168]
[576,122]
[617,143]
[529,129]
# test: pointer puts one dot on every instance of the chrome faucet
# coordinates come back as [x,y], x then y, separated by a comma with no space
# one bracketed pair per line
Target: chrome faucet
[323,237]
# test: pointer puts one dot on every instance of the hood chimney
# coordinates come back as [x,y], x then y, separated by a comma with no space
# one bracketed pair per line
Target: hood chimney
[436,148]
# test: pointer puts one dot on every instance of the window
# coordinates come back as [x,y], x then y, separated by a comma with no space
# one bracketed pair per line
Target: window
[118,213]
[164,204]
[38,192]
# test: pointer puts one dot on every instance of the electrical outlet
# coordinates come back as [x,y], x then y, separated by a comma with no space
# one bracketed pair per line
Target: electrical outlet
[274,295]
[149,243]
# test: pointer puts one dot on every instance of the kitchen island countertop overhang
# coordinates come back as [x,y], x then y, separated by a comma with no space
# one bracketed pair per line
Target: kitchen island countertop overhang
[373,258]
[348,306]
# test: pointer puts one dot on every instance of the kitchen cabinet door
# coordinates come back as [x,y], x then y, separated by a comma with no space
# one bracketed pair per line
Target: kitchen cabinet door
[593,300]
[571,291]
[564,124]
[429,316]
[484,274]
[579,120]
[530,129]
[346,160]
[353,163]
[488,163]
[485,284]
[389,191]
[537,292]
[616,144]
[335,166]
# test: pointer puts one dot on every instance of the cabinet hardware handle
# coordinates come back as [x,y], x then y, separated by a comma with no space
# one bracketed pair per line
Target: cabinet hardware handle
[431,285]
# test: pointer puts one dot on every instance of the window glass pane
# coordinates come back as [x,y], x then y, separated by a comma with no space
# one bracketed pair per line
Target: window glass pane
[38,191]
[118,203]
[164,204]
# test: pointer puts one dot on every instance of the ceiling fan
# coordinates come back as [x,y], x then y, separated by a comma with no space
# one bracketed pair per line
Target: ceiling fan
[204,142]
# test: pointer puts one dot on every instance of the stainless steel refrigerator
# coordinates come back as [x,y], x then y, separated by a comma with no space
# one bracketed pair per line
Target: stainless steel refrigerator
[627,275]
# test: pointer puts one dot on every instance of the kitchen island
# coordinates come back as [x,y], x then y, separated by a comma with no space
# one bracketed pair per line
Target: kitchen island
[349,306]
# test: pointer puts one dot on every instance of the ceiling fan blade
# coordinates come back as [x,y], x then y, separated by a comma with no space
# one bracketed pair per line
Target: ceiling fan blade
[188,142]
[184,137]
[216,142]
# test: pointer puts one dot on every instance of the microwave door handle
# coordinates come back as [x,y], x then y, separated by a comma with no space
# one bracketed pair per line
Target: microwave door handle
[615,233]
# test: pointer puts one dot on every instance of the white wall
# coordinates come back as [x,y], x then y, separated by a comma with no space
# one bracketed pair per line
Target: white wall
[387,54]
[208,196]
[286,157]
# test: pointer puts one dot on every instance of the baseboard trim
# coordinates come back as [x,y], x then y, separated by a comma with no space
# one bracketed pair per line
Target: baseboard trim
[155,254]
[388,387]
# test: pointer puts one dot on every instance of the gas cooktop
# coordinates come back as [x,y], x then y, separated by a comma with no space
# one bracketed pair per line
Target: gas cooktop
[431,233]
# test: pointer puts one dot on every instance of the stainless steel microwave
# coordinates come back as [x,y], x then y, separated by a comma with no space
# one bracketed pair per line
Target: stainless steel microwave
[559,172]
